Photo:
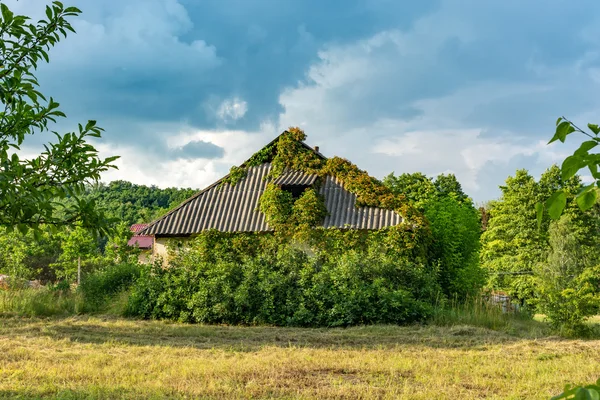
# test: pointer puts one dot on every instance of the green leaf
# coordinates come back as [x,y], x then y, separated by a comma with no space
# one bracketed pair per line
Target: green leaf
[562,130]
[594,128]
[22,228]
[570,166]
[7,15]
[593,170]
[556,204]
[111,159]
[586,394]
[587,198]
[585,147]
[90,124]
[539,207]
[558,120]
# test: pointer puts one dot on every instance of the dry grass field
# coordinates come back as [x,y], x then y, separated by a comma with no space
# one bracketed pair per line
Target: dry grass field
[115,358]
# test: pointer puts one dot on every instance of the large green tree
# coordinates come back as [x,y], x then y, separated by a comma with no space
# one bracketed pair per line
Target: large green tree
[515,242]
[30,187]
[455,227]
[568,282]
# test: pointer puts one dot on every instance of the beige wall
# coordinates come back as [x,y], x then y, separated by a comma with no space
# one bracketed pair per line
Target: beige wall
[145,256]
[160,247]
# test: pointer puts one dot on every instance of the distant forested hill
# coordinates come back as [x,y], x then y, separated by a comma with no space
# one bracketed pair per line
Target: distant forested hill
[133,203]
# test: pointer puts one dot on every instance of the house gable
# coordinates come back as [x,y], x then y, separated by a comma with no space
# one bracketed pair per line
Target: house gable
[234,207]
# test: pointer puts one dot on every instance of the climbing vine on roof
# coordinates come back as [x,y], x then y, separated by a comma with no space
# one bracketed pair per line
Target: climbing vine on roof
[292,154]
[291,217]
[289,153]
[236,174]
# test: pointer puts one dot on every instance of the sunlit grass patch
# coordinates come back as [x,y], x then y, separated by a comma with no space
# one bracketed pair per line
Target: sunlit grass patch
[116,358]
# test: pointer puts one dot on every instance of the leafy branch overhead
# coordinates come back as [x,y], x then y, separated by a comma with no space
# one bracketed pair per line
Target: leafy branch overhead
[30,188]
[581,159]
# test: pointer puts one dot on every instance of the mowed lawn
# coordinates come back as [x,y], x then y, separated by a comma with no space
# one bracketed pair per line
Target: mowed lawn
[114,358]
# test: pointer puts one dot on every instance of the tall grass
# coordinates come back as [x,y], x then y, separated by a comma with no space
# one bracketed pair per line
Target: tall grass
[103,291]
[42,302]
[480,312]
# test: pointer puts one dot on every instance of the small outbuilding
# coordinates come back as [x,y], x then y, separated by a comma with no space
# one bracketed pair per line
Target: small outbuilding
[144,242]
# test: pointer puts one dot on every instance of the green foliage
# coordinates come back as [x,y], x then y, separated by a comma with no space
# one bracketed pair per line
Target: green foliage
[289,217]
[130,203]
[97,292]
[99,287]
[47,254]
[581,159]
[236,174]
[456,230]
[448,186]
[479,311]
[31,186]
[420,189]
[116,248]
[29,256]
[515,240]
[277,206]
[417,188]
[76,244]
[568,283]
[255,279]
[44,302]
[587,392]
[292,154]
[309,210]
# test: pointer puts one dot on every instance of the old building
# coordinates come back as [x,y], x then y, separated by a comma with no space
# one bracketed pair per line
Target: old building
[234,207]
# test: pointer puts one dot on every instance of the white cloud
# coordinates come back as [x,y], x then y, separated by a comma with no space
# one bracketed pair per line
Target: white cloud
[148,168]
[463,153]
[401,101]
[232,109]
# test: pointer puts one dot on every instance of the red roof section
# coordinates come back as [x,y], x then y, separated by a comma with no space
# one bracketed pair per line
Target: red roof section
[142,241]
[138,227]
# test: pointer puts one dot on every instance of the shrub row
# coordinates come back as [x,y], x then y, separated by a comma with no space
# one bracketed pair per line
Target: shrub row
[288,287]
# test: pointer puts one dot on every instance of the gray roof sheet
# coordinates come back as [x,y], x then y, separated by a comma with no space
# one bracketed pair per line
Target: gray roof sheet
[291,177]
[235,208]
[343,213]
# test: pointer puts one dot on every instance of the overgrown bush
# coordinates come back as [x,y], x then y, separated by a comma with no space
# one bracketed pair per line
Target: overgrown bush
[99,287]
[220,279]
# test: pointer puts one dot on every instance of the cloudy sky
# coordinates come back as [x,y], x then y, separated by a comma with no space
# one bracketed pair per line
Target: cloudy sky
[187,88]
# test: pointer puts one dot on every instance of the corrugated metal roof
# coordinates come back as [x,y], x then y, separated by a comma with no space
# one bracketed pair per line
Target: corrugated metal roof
[343,213]
[235,208]
[291,177]
[226,208]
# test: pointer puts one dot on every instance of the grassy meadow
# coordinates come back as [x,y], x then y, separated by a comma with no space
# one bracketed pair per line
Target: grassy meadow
[107,357]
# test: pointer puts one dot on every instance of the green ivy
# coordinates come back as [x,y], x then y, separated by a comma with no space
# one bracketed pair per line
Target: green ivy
[292,154]
[297,218]
[277,206]
[236,174]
